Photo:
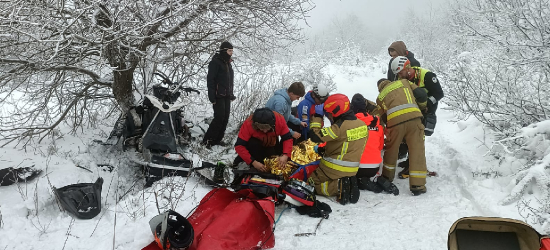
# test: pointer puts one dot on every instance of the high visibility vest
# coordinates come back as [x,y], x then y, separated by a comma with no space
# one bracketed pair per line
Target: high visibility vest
[371,156]
[419,77]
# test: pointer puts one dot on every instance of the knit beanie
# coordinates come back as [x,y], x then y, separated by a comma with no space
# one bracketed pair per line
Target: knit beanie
[226,45]
[358,104]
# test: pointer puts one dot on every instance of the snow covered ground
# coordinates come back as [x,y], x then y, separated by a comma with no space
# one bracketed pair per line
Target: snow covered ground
[31,219]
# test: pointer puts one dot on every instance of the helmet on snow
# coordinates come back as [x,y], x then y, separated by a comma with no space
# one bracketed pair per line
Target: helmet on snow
[172,231]
[337,104]
[321,91]
[263,118]
[399,63]
[82,200]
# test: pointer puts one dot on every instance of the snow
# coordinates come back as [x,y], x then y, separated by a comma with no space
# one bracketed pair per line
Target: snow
[470,183]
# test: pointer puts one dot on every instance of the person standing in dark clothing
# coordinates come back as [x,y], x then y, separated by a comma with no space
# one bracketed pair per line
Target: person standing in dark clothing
[220,93]
[398,48]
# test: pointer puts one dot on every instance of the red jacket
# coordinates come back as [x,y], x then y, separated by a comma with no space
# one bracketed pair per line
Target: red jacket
[371,157]
[269,139]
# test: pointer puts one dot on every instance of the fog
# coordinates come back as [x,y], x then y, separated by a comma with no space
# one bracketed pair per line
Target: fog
[382,19]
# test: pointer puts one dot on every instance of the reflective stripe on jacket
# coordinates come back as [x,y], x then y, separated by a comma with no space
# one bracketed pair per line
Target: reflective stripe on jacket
[345,140]
[401,101]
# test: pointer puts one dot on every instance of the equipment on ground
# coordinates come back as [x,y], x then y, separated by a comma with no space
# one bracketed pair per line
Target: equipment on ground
[82,200]
[9,176]
[472,233]
[172,231]
[158,130]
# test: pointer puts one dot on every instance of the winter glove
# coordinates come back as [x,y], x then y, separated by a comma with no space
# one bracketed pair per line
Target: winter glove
[429,123]
[319,150]
[319,109]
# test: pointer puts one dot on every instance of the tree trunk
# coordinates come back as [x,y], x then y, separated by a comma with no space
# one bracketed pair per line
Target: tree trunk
[122,88]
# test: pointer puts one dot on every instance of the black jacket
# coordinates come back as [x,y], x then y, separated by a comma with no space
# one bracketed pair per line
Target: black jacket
[414,63]
[433,87]
[219,79]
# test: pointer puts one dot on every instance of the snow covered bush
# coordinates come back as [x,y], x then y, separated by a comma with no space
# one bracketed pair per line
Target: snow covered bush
[503,80]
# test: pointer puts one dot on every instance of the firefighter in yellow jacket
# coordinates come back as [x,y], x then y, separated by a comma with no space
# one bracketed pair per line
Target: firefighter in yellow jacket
[345,142]
[401,103]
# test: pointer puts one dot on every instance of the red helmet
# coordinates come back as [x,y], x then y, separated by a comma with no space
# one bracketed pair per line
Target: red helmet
[337,104]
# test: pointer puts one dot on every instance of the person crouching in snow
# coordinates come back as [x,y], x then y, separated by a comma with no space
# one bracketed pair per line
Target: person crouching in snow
[258,139]
[345,140]
[368,175]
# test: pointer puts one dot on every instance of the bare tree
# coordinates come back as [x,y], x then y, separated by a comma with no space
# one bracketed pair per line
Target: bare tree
[67,61]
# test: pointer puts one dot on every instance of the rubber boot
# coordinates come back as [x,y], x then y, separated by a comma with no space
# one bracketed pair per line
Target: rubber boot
[387,185]
[366,184]
[344,190]
[418,190]
[354,190]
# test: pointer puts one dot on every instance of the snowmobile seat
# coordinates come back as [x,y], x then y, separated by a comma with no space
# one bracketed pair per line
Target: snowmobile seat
[83,200]
[489,233]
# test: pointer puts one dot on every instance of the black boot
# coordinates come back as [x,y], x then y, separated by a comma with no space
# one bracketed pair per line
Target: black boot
[387,185]
[404,174]
[366,184]
[354,190]
[344,190]
[418,190]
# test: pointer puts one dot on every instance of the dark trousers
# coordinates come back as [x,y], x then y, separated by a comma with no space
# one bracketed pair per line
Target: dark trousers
[259,152]
[216,130]
[298,129]
[366,172]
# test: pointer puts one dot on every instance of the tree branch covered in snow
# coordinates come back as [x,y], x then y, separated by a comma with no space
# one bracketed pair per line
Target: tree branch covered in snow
[501,78]
[69,63]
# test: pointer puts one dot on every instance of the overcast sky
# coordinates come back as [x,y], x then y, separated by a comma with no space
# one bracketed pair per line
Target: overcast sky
[379,16]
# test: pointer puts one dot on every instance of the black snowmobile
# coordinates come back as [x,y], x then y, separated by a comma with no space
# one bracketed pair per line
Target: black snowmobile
[157,129]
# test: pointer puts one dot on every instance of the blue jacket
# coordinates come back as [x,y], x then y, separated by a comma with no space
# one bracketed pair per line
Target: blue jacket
[304,109]
[280,102]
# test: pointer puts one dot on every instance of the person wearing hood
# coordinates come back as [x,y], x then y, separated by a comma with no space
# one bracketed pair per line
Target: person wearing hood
[281,102]
[306,108]
[220,93]
[398,48]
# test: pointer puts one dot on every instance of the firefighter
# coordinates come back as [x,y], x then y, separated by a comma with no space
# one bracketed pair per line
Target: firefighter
[428,81]
[368,175]
[401,104]
[345,140]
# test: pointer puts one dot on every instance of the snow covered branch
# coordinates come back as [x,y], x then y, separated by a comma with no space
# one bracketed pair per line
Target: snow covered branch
[68,64]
